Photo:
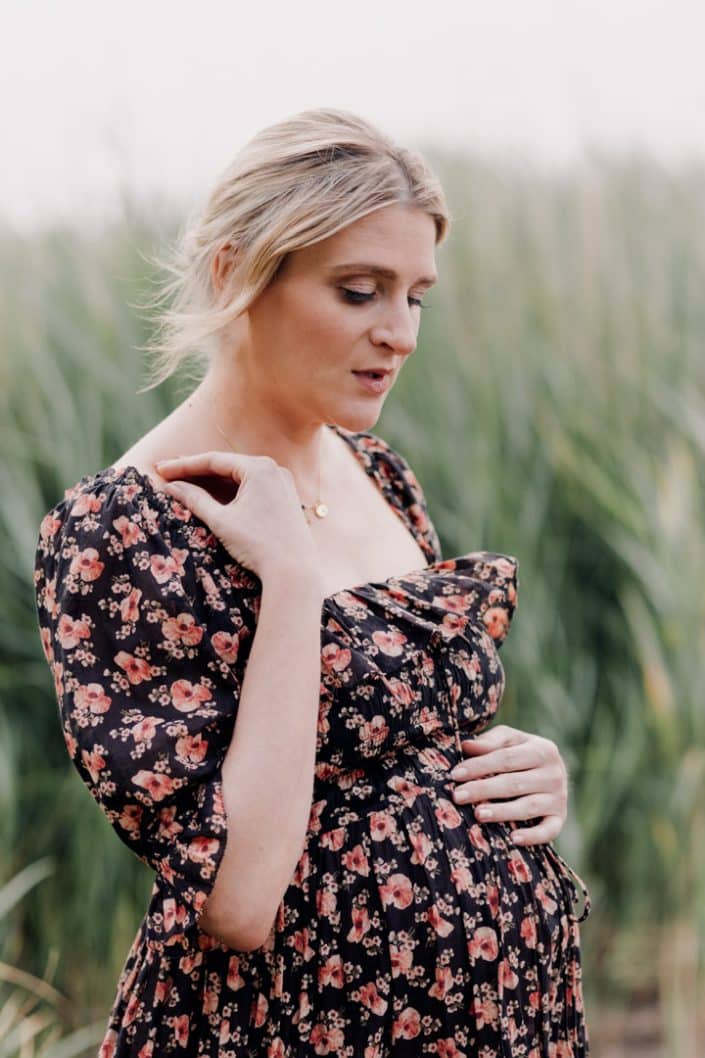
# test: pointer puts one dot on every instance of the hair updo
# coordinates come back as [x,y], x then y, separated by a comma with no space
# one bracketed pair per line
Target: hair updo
[293,184]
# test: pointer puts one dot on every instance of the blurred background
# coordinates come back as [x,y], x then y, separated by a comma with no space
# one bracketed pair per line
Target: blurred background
[555,410]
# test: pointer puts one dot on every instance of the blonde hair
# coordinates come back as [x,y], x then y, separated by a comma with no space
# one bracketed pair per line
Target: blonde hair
[294,183]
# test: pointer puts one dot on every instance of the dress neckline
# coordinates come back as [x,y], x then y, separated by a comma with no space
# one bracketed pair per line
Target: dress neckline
[129,470]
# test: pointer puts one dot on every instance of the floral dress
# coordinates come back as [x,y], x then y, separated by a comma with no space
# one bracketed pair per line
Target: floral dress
[408,927]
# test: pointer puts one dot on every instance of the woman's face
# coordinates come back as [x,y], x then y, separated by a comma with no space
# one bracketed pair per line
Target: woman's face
[328,314]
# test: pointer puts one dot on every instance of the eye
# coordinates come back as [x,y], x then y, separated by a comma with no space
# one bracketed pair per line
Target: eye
[357,297]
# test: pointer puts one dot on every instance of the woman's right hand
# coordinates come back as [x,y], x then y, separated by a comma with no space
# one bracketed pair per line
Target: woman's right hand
[263,527]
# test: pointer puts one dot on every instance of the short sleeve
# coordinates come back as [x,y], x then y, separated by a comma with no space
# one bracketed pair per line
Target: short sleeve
[400,479]
[147,691]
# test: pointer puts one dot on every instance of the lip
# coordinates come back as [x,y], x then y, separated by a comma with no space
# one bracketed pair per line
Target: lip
[374,385]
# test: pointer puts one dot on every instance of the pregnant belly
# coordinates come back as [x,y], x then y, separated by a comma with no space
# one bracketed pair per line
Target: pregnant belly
[413,901]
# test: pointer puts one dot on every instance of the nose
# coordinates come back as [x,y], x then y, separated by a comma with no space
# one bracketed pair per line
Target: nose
[398,330]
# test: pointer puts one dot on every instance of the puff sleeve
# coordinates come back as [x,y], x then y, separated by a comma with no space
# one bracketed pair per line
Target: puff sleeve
[405,489]
[147,688]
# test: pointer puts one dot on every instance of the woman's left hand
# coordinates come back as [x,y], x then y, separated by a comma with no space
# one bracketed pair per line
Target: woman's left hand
[507,762]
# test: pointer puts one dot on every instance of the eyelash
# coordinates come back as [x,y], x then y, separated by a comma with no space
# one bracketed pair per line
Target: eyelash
[351,296]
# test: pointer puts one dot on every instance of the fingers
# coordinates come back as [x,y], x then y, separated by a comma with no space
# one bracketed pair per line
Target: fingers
[532,807]
[515,784]
[495,738]
[227,464]
[547,830]
[530,753]
[197,500]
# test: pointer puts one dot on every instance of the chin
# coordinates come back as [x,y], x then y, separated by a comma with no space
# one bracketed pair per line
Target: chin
[356,420]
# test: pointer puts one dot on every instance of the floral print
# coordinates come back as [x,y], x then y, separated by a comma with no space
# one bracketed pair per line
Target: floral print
[408,926]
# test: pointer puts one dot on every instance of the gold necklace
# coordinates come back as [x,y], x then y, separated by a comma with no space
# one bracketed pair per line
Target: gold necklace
[319,508]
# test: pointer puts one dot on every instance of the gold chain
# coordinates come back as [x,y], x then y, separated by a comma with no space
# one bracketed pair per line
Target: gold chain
[319,508]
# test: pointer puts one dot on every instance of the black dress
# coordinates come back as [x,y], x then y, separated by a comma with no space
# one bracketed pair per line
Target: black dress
[408,927]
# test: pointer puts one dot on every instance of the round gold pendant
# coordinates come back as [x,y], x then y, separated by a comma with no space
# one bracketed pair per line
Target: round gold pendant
[320,510]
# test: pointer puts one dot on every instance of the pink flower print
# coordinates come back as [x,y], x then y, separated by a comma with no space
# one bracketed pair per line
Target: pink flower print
[528,931]
[47,647]
[129,607]
[486,1013]
[374,731]
[261,1009]
[226,646]
[518,868]
[397,891]
[496,621]
[181,1029]
[478,838]
[136,669]
[70,632]
[331,972]
[356,860]
[92,696]
[326,902]
[187,696]
[326,1041]
[146,728]
[400,960]
[94,763]
[183,629]
[211,999]
[483,944]
[447,815]
[164,567]
[407,1026]
[202,849]
[146,1050]
[189,961]
[333,839]
[130,533]
[361,924]
[301,944]
[448,1048]
[453,603]
[130,819]
[390,642]
[192,748]
[157,785]
[49,527]
[370,998]
[107,1047]
[547,901]
[493,899]
[462,879]
[409,791]
[443,983]
[335,658]
[85,504]
[422,846]
[235,980]
[382,825]
[400,689]
[131,1009]
[441,925]
[506,976]
[87,564]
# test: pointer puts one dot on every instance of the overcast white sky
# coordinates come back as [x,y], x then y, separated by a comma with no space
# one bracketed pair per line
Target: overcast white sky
[158,95]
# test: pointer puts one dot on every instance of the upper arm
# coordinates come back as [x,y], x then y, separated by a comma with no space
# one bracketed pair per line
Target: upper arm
[146,690]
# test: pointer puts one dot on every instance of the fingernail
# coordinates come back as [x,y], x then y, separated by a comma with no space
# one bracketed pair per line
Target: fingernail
[457,773]
[484,812]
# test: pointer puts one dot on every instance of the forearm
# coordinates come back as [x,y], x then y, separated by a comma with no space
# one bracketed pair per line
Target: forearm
[268,769]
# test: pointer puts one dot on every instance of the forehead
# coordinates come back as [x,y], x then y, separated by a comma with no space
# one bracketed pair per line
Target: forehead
[396,239]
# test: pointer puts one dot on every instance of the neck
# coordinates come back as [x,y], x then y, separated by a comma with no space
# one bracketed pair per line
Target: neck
[257,424]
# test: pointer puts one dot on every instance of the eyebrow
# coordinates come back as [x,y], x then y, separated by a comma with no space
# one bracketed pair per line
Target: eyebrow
[378,270]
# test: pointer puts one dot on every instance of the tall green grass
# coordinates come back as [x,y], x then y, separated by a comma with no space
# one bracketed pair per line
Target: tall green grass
[554,409]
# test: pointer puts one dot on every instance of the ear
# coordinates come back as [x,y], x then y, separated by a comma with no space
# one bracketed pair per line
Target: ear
[222,264]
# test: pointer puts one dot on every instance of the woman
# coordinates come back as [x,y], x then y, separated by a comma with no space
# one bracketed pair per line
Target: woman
[268,675]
